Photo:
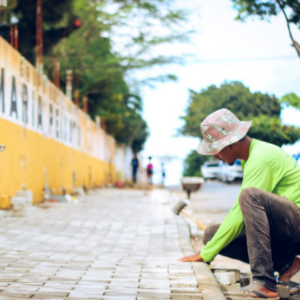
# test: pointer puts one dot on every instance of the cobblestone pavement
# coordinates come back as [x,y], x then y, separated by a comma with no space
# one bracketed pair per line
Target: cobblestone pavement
[113,244]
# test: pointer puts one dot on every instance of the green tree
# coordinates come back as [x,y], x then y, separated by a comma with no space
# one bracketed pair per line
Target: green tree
[99,71]
[111,38]
[263,109]
[291,100]
[193,162]
[58,22]
[266,9]
[136,26]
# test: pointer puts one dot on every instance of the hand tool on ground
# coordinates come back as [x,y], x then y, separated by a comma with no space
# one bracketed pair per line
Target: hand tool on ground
[178,208]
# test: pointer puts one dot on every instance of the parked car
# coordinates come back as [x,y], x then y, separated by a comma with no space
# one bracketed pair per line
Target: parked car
[230,173]
[222,173]
[297,157]
[210,169]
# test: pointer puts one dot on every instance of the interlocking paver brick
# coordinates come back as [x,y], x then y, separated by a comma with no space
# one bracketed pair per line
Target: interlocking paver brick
[15,294]
[111,245]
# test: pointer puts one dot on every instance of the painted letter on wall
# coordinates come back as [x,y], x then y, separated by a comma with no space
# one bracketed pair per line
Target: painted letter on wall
[24,103]
[40,116]
[13,99]
[2,96]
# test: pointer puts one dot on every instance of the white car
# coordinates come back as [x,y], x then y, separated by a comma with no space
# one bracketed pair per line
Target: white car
[230,173]
[210,169]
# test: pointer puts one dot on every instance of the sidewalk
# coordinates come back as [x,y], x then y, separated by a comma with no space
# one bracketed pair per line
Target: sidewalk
[114,244]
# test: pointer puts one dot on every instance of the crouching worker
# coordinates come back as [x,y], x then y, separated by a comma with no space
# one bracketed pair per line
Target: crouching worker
[263,227]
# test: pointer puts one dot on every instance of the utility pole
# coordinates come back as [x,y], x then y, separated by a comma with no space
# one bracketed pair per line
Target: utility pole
[12,35]
[85,104]
[76,97]
[57,73]
[16,37]
[39,37]
[69,84]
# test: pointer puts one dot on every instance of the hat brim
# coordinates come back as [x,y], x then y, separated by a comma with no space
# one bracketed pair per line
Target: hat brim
[205,148]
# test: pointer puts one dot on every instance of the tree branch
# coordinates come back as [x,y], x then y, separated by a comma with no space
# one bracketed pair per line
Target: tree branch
[297,12]
[296,45]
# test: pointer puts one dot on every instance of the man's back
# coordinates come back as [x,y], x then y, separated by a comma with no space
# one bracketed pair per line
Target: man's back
[278,170]
[268,168]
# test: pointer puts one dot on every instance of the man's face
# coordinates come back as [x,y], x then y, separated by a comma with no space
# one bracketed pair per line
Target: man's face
[227,155]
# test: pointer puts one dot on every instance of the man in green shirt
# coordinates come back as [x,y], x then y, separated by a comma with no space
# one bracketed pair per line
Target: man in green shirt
[263,227]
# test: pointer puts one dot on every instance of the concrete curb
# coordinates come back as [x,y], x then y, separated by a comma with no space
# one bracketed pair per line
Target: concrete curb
[207,282]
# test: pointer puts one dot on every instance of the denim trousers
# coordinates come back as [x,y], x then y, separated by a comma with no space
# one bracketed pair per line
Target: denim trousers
[271,238]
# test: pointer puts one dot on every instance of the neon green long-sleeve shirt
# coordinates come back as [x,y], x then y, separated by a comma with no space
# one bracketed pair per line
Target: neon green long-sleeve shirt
[268,168]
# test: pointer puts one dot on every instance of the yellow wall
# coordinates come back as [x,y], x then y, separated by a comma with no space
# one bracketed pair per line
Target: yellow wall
[31,159]
[46,154]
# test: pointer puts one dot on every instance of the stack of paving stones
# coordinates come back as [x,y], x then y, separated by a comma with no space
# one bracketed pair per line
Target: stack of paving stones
[110,245]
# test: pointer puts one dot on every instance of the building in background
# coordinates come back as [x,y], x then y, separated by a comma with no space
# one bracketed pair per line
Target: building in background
[49,141]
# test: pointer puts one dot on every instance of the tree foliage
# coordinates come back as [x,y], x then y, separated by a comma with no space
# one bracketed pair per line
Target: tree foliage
[266,9]
[58,22]
[193,163]
[291,100]
[99,71]
[263,109]
[111,38]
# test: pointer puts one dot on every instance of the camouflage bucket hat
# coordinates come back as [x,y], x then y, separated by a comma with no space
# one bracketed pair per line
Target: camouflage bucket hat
[220,129]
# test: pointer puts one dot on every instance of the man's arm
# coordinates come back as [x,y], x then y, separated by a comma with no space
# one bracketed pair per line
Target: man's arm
[258,175]
[231,227]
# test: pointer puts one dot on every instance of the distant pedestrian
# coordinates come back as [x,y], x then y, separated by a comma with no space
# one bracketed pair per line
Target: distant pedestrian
[163,174]
[135,167]
[149,170]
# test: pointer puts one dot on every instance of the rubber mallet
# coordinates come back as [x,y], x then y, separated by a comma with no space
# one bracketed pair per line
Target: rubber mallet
[178,208]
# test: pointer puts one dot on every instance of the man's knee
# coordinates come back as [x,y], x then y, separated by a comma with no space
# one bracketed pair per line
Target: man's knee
[209,233]
[247,195]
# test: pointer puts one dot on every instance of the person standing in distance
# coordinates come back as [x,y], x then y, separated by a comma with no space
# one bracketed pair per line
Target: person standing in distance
[135,167]
[163,174]
[149,170]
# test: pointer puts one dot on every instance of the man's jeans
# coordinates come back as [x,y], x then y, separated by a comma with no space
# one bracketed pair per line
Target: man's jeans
[271,238]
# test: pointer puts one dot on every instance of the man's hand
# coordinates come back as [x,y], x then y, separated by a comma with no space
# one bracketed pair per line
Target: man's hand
[195,257]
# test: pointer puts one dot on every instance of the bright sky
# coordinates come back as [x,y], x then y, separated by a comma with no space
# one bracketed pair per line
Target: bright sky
[257,53]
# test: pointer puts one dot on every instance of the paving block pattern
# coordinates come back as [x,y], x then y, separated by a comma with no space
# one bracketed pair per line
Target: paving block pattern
[110,245]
